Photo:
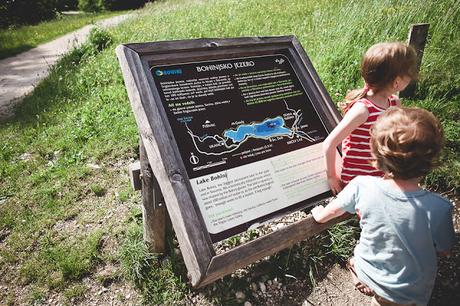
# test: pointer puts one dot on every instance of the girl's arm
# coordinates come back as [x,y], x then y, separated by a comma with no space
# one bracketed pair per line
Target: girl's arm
[323,214]
[355,116]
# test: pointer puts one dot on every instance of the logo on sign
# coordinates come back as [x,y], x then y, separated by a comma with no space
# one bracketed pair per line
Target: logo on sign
[159,72]
[279,61]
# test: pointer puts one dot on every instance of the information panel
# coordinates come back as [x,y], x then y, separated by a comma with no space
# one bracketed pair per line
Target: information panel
[249,137]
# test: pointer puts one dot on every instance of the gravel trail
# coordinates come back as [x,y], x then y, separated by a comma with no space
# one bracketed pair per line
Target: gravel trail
[21,73]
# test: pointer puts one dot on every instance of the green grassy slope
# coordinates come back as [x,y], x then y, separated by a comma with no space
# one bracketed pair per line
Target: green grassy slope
[80,116]
[15,40]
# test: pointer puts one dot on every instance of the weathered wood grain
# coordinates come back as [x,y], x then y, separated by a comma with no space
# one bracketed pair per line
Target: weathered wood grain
[134,171]
[418,35]
[250,252]
[153,210]
[194,242]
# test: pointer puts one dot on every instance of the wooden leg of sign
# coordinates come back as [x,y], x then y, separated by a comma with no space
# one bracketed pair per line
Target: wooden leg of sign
[153,207]
[418,34]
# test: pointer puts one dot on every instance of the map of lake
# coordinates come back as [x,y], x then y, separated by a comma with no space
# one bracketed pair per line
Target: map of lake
[268,128]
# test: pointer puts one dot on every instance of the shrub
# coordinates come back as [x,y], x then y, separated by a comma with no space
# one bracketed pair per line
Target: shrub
[91,5]
[99,39]
[114,5]
[65,5]
[26,11]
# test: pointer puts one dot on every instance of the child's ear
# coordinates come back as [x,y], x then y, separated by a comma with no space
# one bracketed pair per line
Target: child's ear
[397,83]
[400,83]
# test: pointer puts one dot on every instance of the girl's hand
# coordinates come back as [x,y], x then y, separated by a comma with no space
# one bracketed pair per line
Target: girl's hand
[335,184]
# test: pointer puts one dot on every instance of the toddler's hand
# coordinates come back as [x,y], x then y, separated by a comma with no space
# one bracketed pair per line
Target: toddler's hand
[316,212]
[335,184]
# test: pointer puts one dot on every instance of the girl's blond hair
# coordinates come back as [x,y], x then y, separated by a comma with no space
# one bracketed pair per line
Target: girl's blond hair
[380,66]
[406,142]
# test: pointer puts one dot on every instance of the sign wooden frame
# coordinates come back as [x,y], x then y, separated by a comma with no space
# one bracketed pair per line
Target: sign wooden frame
[203,265]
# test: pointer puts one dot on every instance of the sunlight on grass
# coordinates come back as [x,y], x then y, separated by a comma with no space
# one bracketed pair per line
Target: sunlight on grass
[81,115]
[155,278]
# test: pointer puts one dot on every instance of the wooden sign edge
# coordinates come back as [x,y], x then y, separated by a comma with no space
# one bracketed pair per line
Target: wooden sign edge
[195,246]
[206,43]
[266,245]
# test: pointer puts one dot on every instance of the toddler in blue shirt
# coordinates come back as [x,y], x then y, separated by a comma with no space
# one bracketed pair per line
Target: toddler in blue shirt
[403,227]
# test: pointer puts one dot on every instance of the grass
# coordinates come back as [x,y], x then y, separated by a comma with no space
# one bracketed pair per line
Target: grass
[15,40]
[70,260]
[75,293]
[335,45]
[155,278]
[54,205]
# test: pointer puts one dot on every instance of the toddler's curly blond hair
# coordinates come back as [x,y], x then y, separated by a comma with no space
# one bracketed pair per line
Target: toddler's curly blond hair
[406,142]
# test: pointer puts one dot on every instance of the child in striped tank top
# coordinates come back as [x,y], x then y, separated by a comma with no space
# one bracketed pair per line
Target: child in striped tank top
[386,68]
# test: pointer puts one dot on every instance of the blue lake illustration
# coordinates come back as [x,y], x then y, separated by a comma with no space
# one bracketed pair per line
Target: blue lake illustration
[268,128]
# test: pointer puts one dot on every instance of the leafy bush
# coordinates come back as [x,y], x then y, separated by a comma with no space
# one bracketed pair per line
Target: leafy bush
[110,5]
[90,5]
[65,5]
[115,5]
[99,39]
[26,11]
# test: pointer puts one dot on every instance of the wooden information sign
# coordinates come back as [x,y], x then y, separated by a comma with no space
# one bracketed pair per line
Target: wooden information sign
[233,130]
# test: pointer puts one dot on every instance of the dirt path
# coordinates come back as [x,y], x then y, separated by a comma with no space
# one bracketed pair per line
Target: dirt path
[20,74]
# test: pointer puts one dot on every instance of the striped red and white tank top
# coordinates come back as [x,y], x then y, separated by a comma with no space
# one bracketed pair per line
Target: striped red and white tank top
[356,152]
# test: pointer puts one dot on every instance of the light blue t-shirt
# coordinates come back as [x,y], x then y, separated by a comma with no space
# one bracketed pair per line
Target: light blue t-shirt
[400,235]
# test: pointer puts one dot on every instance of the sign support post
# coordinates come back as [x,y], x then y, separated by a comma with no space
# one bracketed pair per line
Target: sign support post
[153,208]
[418,35]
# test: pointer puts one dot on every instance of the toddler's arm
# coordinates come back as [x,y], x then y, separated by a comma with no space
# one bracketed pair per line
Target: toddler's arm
[323,214]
